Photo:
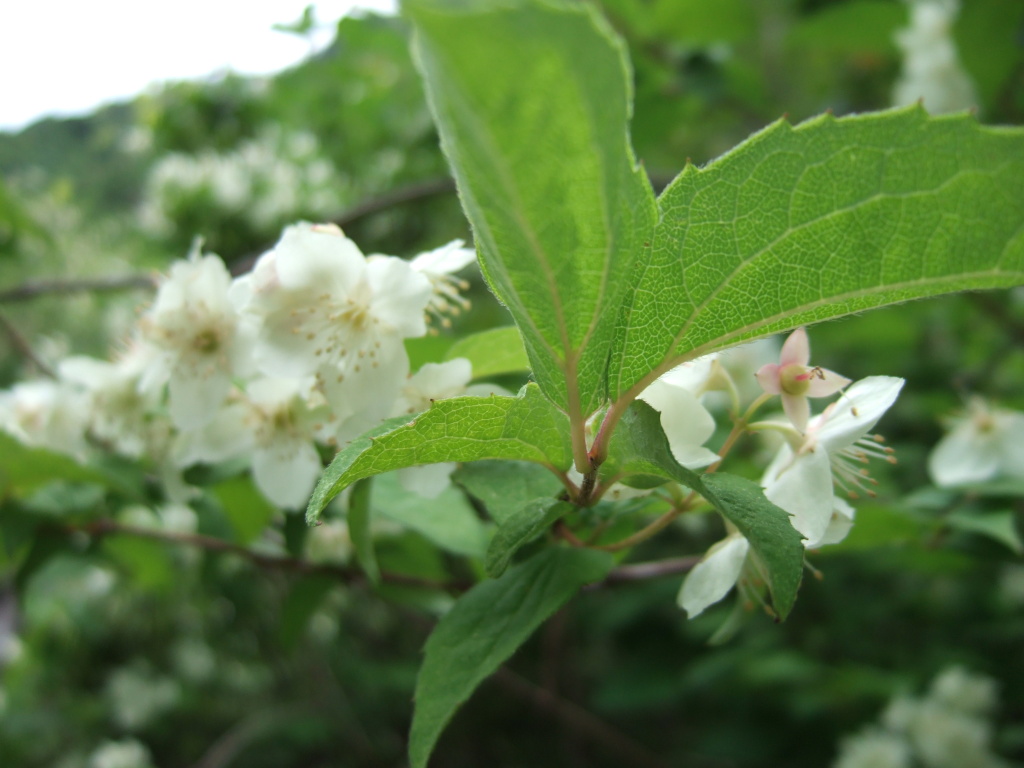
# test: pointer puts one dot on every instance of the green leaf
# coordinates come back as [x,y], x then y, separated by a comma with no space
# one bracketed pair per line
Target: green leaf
[505,487]
[24,469]
[526,427]
[857,27]
[246,509]
[639,446]
[521,528]
[448,519]
[532,100]
[772,538]
[492,352]
[798,225]
[485,627]
[999,526]
[358,520]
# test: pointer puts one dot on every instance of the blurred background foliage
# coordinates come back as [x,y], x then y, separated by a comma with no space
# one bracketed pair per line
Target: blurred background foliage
[122,651]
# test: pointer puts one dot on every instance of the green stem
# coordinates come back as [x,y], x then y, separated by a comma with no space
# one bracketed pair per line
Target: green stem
[653,528]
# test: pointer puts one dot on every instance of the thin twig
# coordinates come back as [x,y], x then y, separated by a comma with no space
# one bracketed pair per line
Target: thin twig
[32,290]
[23,348]
[625,574]
[401,196]
[225,749]
[579,720]
[270,562]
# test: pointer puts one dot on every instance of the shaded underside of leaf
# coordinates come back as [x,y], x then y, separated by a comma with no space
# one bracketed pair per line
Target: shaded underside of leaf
[834,216]
[485,627]
[526,427]
[532,100]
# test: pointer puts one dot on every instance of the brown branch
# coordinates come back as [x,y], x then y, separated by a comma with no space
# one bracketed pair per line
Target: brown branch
[23,348]
[579,720]
[401,196]
[657,569]
[32,290]
[344,573]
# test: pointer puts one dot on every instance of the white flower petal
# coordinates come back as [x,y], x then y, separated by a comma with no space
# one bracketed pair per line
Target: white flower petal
[400,296]
[714,576]
[965,455]
[286,471]
[193,399]
[687,423]
[803,488]
[856,412]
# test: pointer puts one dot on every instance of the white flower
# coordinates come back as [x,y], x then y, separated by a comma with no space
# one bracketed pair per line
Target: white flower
[795,380]
[323,309]
[119,413]
[126,753]
[713,577]
[45,414]
[834,449]
[687,424]
[202,340]
[984,444]
[874,748]
[931,69]
[274,425]
[439,266]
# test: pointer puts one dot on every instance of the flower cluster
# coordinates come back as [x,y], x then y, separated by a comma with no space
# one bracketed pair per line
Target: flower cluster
[305,351]
[817,457]
[265,181]
[949,727]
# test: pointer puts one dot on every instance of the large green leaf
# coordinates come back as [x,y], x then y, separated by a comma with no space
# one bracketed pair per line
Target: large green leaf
[639,446]
[834,216]
[532,100]
[526,427]
[485,627]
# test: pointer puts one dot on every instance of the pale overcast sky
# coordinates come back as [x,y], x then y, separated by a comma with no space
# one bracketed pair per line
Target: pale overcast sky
[66,57]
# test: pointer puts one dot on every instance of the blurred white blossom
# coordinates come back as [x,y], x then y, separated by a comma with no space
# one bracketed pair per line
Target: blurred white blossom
[983,444]
[275,177]
[946,728]
[126,753]
[202,341]
[932,71]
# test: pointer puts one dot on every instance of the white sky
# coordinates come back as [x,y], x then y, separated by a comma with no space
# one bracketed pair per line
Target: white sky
[66,57]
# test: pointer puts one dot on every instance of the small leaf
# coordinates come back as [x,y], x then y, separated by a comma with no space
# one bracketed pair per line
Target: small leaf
[246,509]
[532,99]
[492,352]
[999,526]
[639,446]
[834,216]
[505,487]
[358,519]
[772,538]
[485,627]
[521,528]
[526,427]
